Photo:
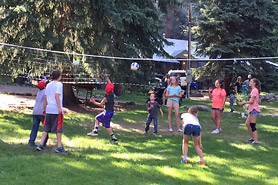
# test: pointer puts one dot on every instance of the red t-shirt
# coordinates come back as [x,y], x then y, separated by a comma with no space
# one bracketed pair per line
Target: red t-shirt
[217,98]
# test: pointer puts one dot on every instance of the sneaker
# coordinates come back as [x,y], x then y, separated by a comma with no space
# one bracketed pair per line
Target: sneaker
[220,129]
[184,161]
[145,132]
[33,144]
[202,162]
[179,130]
[93,133]
[39,148]
[170,129]
[250,140]
[216,131]
[60,150]
[255,143]
[114,140]
[155,134]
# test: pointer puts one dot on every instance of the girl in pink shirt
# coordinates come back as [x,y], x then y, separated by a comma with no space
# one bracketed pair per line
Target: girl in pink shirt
[218,97]
[253,110]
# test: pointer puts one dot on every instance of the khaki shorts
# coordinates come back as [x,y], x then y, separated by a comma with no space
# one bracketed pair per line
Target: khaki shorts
[172,103]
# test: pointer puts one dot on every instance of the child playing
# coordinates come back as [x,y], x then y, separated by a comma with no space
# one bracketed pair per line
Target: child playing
[106,116]
[152,107]
[232,100]
[174,94]
[254,110]
[53,111]
[37,115]
[191,126]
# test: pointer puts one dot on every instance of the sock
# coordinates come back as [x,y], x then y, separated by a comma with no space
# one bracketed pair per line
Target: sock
[202,159]
[96,128]
[184,158]
[113,136]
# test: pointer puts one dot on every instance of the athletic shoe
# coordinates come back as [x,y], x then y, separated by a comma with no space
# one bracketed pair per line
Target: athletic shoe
[255,143]
[33,144]
[60,150]
[179,130]
[170,129]
[145,132]
[250,140]
[216,131]
[114,140]
[220,129]
[39,148]
[93,133]
[184,161]
[202,162]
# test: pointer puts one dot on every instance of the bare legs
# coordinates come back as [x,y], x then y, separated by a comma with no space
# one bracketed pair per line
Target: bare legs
[176,115]
[252,119]
[195,143]
[216,118]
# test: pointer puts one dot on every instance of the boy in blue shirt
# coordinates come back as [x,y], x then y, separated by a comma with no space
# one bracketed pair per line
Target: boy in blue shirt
[152,107]
[37,115]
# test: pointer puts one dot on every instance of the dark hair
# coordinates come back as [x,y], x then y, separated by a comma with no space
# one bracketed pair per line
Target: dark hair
[193,110]
[221,83]
[56,74]
[258,84]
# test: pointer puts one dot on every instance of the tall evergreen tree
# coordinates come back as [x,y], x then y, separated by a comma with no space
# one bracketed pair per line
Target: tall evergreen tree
[112,27]
[237,29]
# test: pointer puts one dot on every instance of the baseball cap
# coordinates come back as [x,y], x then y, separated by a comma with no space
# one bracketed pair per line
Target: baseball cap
[109,88]
[41,85]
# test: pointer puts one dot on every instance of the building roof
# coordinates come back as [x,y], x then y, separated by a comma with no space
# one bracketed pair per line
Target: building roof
[178,50]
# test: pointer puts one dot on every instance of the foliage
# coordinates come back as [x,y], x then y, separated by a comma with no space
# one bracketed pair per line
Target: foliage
[114,28]
[238,29]
[137,159]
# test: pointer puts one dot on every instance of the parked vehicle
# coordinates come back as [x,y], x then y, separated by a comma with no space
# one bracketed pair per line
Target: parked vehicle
[182,75]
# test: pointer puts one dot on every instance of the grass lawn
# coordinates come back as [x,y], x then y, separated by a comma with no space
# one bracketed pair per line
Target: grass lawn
[137,159]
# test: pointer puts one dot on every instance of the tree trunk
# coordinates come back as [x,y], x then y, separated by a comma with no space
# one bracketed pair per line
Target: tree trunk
[169,17]
[228,79]
[69,97]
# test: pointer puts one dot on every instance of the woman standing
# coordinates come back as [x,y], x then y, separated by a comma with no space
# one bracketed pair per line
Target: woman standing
[254,110]
[218,97]
[238,86]
[173,94]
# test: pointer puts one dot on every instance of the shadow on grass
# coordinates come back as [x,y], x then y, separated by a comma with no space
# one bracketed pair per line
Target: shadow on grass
[137,159]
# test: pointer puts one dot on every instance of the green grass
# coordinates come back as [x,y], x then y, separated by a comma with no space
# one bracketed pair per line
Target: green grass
[137,159]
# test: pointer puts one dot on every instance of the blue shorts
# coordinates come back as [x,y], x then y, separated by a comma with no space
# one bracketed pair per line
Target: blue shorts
[254,112]
[105,118]
[190,129]
[217,109]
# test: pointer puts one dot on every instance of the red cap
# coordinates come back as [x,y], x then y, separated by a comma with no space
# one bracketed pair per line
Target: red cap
[109,88]
[41,85]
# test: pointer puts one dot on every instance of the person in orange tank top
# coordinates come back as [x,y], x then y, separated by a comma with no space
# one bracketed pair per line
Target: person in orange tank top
[218,97]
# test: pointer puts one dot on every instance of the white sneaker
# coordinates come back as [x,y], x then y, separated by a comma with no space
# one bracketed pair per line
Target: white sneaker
[216,131]
[220,129]
[170,129]
[179,130]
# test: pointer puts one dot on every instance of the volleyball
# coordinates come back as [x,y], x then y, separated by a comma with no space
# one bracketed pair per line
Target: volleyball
[134,66]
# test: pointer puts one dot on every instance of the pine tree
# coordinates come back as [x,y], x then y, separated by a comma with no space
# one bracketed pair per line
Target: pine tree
[237,29]
[111,27]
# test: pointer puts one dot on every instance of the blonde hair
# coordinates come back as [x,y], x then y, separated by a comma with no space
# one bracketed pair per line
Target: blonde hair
[175,79]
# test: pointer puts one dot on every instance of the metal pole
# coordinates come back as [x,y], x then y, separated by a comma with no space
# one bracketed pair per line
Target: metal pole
[189,46]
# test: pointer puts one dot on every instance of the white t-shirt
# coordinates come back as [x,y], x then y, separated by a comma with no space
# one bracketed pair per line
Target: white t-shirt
[189,119]
[52,89]
[39,103]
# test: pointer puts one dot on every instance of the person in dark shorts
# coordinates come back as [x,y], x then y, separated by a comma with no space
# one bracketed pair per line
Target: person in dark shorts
[53,111]
[191,126]
[152,107]
[106,116]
